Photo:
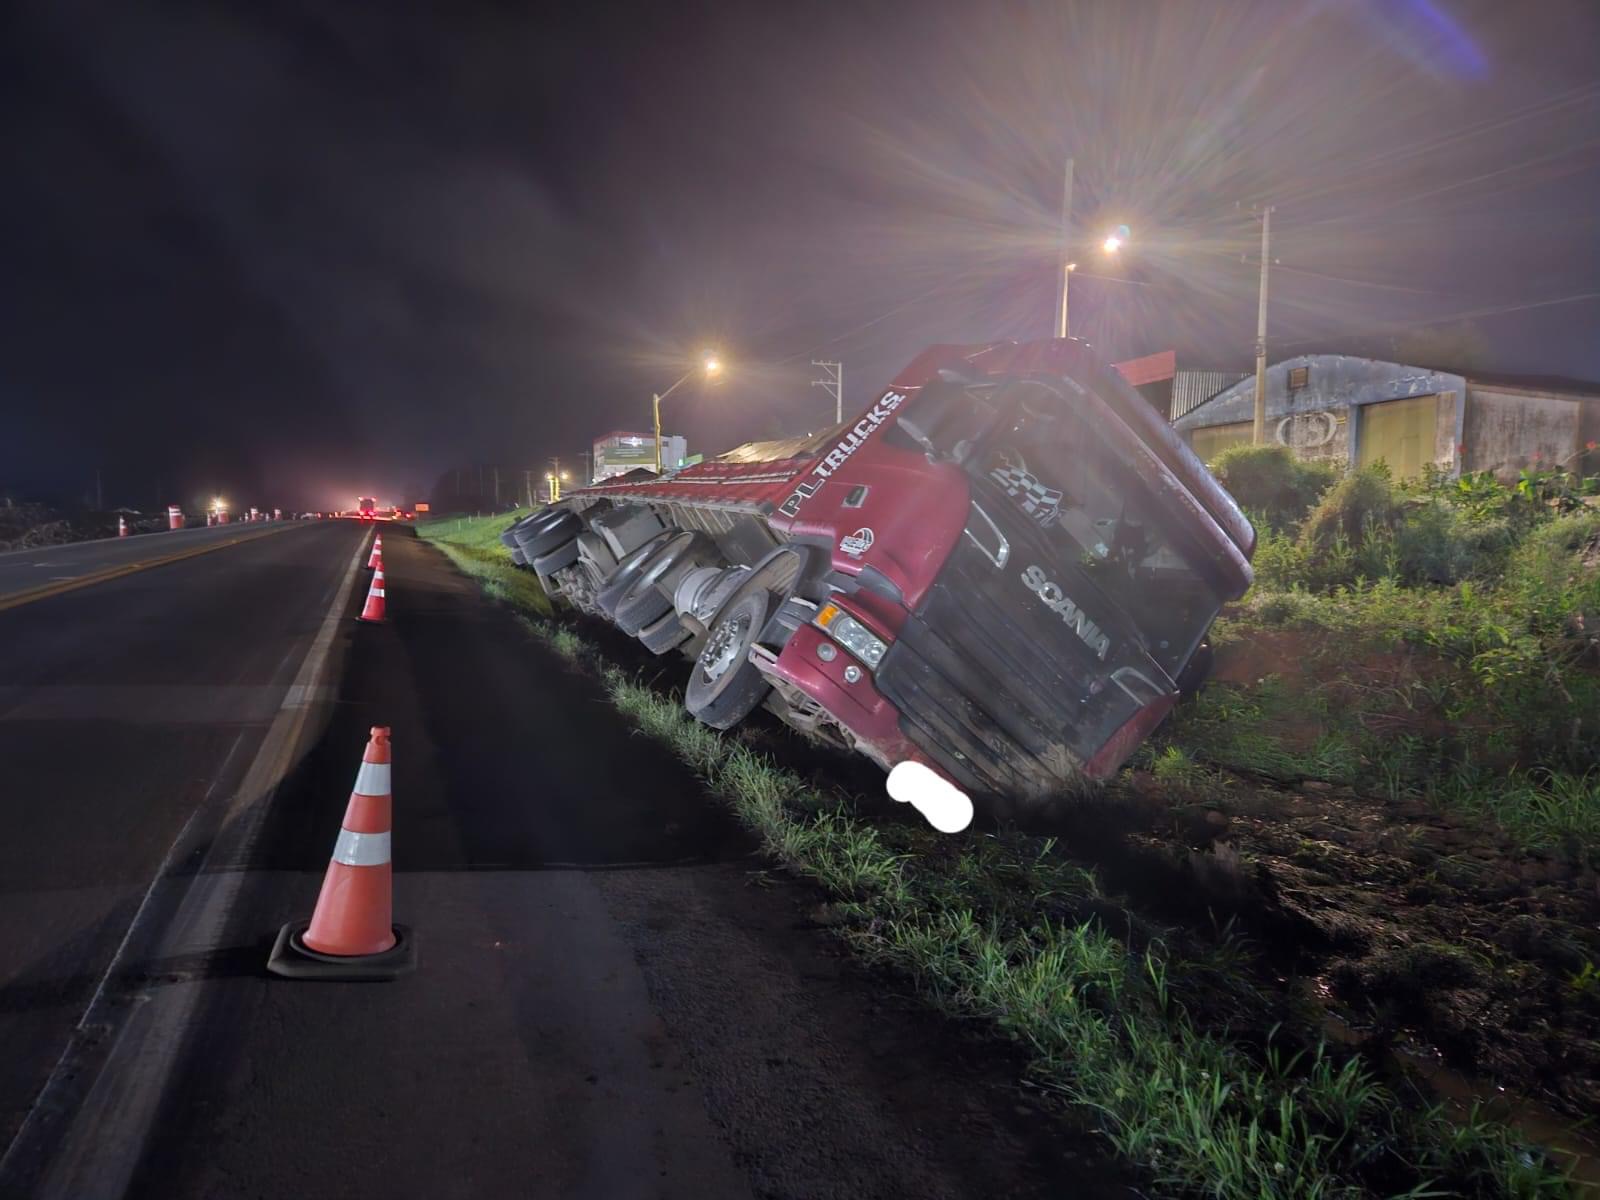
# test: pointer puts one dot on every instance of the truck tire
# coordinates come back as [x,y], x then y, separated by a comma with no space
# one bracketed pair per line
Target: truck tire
[557,533]
[512,537]
[645,601]
[557,560]
[518,559]
[1196,671]
[627,571]
[725,686]
[664,635]
[640,608]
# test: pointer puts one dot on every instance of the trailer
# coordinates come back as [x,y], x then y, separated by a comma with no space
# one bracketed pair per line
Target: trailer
[994,582]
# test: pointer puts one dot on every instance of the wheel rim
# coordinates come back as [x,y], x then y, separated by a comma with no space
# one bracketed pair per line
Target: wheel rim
[722,650]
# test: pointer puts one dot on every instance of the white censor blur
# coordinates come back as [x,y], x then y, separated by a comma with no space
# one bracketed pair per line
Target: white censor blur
[946,806]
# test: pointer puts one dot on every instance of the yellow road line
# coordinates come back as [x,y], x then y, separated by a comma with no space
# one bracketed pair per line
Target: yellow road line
[16,599]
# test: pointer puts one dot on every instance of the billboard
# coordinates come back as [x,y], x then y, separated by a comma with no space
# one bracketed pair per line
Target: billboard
[631,451]
[618,453]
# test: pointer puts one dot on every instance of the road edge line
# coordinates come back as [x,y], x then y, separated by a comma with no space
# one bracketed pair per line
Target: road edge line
[266,771]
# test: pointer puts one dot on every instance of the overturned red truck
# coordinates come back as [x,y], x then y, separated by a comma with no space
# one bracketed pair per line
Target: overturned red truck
[1002,572]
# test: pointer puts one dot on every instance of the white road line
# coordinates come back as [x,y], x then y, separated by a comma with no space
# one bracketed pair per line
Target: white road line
[100,1147]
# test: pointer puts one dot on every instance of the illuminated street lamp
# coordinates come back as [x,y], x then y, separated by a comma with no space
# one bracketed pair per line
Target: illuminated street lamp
[1114,242]
[710,365]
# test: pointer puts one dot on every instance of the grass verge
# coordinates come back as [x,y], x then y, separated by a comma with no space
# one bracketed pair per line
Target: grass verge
[997,928]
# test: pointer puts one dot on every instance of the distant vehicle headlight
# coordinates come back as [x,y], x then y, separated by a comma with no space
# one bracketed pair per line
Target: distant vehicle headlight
[851,634]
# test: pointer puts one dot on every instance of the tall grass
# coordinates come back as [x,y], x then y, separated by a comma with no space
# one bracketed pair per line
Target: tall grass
[1493,590]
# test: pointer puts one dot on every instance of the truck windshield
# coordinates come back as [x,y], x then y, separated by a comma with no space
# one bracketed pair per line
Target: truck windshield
[1053,460]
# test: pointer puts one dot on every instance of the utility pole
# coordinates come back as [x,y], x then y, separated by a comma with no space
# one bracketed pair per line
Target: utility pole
[1259,431]
[833,381]
[1066,251]
[527,484]
[496,471]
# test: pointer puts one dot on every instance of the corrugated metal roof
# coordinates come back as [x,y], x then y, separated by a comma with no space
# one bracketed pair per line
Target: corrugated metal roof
[1190,389]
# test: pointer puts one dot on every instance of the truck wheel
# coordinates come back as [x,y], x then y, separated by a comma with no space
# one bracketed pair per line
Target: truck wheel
[620,580]
[634,612]
[558,559]
[663,635]
[518,559]
[644,601]
[557,533]
[512,537]
[1196,671]
[724,686]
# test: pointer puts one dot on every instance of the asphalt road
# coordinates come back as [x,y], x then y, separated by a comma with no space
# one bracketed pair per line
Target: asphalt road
[56,568]
[615,998]
[125,708]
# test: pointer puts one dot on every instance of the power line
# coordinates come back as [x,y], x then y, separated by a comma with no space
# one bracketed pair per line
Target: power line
[1473,314]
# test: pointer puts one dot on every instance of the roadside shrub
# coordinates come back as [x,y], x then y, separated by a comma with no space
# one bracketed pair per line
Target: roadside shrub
[1279,563]
[1435,543]
[1350,533]
[1286,609]
[1556,573]
[1270,481]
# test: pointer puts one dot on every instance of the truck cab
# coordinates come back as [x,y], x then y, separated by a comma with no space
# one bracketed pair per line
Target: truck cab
[1002,570]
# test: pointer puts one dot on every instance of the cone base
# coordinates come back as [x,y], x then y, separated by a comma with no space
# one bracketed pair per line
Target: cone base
[293,959]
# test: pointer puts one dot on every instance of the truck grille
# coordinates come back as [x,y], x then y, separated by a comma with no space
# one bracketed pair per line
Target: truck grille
[993,685]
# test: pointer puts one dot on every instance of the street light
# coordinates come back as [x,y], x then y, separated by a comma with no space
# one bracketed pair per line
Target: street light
[1111,245]
[710,364]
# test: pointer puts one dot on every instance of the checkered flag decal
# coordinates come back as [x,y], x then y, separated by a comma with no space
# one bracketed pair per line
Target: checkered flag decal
[1039,502]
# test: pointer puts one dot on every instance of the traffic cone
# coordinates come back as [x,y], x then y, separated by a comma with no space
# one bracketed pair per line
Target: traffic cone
[374,610]
[351,934]
[375,559]
[122,526]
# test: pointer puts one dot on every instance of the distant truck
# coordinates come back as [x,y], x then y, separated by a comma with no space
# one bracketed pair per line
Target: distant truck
[1003,572]
[366,508]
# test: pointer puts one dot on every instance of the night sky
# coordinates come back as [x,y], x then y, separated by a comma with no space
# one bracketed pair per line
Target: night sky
[294,252]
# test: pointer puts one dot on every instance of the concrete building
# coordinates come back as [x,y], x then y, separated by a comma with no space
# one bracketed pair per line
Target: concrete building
[1362,410]
[620,452]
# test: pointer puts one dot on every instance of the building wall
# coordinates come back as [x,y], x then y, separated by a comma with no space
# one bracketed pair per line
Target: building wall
[1506,427]
[1321,419]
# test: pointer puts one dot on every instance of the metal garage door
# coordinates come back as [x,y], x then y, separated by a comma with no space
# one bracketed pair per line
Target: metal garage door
[1210,440]
[1400,433]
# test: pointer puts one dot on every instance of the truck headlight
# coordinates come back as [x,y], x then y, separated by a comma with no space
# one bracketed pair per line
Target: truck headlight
[851,634]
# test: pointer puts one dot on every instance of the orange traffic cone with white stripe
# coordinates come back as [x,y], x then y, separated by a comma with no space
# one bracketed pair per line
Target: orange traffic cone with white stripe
[374,607]
[351,934]
[375,559]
